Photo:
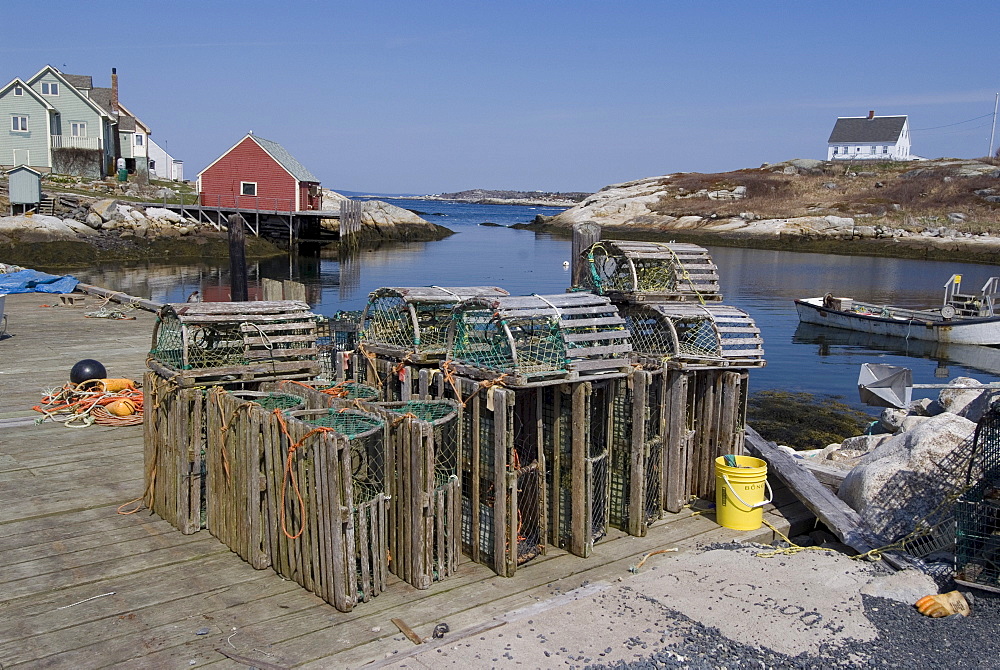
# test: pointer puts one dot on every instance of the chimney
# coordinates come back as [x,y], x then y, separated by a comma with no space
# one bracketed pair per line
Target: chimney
[114,91]
[871,112]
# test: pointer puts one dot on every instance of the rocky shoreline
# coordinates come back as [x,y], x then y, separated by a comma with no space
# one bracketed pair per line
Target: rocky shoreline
[807,205]
[87,229]
[481,196]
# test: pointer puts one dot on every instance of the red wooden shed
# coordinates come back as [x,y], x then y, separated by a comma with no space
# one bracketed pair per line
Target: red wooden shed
[259,174]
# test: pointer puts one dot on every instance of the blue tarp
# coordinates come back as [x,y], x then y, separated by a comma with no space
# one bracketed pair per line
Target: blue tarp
[33,281]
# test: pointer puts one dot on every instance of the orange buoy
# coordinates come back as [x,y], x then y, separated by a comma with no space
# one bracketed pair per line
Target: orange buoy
[123,407]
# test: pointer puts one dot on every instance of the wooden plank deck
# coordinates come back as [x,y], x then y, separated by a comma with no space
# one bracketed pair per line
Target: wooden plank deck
[82,586]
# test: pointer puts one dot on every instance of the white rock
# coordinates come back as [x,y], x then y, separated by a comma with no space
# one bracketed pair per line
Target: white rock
[36,228]
[80,228]
[889,488]
[163,213]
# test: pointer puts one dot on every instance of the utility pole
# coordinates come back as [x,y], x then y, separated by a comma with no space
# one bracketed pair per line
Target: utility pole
[993,132]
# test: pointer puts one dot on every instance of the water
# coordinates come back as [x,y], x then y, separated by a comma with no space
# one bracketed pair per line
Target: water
[764,283]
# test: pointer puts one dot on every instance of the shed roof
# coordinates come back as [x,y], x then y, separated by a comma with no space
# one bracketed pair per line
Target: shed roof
[863,129]
[287,161]
[23,168]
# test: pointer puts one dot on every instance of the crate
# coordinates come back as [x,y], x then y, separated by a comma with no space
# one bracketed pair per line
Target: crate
[239,426]
[411,323]
[336,335]
[650,271]
[425,494]
[977,538]
[208,343]
[174,452]
[528,340]
[326,493]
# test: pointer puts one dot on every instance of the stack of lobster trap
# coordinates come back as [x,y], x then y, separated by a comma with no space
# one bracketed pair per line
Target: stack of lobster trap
[448,421]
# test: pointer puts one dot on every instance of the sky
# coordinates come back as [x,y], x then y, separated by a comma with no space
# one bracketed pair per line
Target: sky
[421,96]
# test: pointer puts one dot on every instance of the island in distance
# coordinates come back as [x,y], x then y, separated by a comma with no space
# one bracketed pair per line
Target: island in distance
[481,196]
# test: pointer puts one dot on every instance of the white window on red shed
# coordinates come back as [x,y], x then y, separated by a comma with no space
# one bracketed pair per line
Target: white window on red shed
[248,188]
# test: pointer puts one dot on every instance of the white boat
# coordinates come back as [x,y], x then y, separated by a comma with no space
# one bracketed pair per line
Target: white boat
[962,318]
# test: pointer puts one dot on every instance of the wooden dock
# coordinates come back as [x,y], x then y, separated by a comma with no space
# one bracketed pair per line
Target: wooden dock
[83,586]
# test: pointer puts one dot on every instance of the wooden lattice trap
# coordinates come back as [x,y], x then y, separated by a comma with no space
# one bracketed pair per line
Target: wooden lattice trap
[335,336]
[174,452]
[321,394]
[692,334]
[534,339]
[704,417]
[239,427]
[396,380]
[206,343]
[326,488]
[425,492]
[644,271]
[411,323]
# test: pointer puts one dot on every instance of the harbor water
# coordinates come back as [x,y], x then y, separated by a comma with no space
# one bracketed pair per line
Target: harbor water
[811,359]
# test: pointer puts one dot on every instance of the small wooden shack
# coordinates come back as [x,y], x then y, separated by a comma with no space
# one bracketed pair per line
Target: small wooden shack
[25,187]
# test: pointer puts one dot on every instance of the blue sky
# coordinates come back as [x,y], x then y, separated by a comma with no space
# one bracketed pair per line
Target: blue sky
[425,97]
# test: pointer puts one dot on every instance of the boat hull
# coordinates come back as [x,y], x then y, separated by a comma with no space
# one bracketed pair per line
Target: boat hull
[984,331]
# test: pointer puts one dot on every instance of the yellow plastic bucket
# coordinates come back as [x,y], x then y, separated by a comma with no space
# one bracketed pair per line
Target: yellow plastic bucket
[739,493]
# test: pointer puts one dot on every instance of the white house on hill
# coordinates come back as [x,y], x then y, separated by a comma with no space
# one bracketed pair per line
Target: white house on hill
[870,138]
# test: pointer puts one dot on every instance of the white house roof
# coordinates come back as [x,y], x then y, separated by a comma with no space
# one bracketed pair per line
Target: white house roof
[855,129]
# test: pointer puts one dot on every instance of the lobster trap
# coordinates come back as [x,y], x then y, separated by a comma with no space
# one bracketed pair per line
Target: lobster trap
[703,413]
[326,491]
[336,335]
[174,453]
[425,493]
[206,343]
[635,450]
[691,334]
[396,380]
[411,323]
[977,511]
[527,340]
[322,395]
[239,426]
[650,271]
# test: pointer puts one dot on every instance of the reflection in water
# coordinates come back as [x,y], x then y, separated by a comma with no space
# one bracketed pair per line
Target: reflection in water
[764,283]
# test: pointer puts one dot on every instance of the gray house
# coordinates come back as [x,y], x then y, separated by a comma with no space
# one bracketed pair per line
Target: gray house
[25,186]
[870,138]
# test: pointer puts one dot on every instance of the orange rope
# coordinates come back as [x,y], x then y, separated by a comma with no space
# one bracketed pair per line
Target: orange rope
[73,402]
[292,447]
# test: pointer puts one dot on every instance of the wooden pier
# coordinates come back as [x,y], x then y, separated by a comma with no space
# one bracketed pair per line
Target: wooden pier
[84,586]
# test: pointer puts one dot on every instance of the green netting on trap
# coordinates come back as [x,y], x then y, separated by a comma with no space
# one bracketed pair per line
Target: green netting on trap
[611,271]
[347,422]
[423,410]
[206,346]
[529,344]
[392,321]
[272,401]
[444,416]
[351,391]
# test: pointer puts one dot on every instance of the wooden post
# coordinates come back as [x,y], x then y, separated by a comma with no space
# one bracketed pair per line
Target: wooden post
[584,234]
[237,259]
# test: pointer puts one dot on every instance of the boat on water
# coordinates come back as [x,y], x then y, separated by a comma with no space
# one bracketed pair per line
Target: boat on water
[962,318]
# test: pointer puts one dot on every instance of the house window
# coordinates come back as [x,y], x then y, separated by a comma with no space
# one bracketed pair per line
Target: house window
[835,151]
[19,123]
[138,140]
[50,88]
[248,188]
[18,90]
[885,149]
[78,129]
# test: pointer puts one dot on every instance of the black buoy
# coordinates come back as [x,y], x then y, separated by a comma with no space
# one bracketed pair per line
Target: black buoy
[87,369]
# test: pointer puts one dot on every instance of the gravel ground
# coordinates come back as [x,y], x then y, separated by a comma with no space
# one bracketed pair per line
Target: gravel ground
[730,608]
[906,639]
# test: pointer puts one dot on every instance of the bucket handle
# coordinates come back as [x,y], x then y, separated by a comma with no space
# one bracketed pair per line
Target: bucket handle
[770,494]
